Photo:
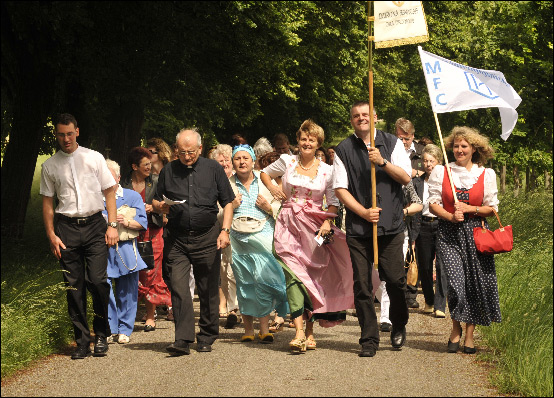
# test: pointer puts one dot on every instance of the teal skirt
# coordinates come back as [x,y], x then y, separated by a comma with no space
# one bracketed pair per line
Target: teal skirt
[260,279]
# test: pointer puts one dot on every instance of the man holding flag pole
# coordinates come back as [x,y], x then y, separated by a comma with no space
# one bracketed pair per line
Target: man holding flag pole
[377,233]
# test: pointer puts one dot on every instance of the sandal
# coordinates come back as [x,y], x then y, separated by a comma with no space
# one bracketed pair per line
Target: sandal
[274,326]
[223,314]
[298,345]
[246,338]
[310,343]
[266,338]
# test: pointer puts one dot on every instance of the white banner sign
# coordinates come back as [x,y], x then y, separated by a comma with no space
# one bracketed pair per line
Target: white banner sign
[456,87]
[398,23]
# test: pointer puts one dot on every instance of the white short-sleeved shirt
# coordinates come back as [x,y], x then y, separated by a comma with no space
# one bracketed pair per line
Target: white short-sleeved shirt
[463,178]
[399,157]
[77,179]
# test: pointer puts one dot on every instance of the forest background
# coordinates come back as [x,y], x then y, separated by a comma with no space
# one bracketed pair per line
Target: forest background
[133,70]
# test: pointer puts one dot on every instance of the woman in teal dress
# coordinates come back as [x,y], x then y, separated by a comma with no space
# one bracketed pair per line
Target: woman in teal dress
[260,278]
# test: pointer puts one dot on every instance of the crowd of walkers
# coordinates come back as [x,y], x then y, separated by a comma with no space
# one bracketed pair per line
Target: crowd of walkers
[274,232]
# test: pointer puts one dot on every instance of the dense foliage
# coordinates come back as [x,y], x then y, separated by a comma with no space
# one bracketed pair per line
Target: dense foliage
[133,70]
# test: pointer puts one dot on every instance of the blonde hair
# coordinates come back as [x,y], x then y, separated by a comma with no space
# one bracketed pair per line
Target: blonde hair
[312,130]
[164,151]
[434,151]
[405,125]
[483,151]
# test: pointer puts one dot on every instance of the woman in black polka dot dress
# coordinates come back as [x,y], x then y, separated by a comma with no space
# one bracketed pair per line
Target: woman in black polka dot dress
[472,288]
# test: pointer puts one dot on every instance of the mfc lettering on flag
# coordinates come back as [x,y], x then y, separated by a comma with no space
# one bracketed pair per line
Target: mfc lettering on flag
[455,87]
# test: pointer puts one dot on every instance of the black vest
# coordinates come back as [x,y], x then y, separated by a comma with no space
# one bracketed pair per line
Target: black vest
[353,154]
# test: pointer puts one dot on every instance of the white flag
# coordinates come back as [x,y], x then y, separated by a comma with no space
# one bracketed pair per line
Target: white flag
[456,87]
[398,23]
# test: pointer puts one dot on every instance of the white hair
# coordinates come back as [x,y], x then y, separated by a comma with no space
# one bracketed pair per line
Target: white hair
[261,147]
[221,149]
[112,165]
[194,129]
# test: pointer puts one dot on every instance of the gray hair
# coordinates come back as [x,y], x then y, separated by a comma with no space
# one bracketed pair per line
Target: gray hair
[194,129]
[261,147]
[434,151]
[222,149]
[112,165]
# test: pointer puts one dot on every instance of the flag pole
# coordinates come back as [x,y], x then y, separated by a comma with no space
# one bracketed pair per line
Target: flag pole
[370,39]
[446,159]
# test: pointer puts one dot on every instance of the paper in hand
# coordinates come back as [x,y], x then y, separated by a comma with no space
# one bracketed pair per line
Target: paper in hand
[172,202]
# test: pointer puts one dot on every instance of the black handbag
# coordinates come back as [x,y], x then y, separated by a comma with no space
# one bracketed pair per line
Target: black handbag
[146,251]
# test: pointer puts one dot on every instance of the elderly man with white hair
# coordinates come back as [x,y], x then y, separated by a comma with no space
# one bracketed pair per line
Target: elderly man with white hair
[188,191]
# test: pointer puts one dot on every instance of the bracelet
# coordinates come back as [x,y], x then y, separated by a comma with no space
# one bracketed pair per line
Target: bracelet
[476,210]
[226,230]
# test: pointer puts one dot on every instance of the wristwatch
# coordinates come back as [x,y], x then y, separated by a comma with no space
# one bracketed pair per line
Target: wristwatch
[226,230]
[385,162]
[112,224]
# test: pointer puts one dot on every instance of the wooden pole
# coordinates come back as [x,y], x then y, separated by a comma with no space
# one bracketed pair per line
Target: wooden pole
[446,159]
[371,130]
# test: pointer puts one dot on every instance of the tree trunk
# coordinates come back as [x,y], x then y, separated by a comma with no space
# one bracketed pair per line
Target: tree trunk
[517,182]
[503,179]
[126,134]
[18,168]
[527,179]
[546,180]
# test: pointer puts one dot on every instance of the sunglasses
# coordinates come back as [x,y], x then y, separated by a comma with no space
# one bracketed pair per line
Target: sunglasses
[153,152]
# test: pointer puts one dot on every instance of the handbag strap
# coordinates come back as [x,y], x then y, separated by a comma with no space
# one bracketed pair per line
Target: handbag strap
[123,261]
[497,217]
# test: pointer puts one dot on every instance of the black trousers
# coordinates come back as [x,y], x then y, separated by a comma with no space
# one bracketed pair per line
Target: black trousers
[425,253]
[180,252]
[391,270]
[85,261]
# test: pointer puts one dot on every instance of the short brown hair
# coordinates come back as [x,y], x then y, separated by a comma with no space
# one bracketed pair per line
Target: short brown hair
[405,125]
[312,130]
[483,151]
[434,151]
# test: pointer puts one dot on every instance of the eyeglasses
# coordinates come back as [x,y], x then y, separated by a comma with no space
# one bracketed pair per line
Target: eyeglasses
[188,153]
[153,152]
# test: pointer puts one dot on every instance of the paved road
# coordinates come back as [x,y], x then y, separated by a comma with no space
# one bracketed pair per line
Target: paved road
[144,368]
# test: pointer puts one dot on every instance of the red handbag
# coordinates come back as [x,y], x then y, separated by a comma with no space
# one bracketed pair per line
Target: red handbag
[493,242]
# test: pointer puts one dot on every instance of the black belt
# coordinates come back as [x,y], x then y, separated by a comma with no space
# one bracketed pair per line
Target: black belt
[429,219]
[80,220]
[193,233]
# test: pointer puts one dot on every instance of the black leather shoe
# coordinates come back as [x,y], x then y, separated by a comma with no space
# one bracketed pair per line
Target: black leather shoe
[232,320]
[367,351]
[81,352]
[385,327]
[398,336]
[180,347]
[412,303]
[453,347]
[149,328]
[203,347]
[100,346]
[469,350]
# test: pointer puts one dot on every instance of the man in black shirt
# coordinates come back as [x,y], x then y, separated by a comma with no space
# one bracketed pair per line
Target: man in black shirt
[194,236]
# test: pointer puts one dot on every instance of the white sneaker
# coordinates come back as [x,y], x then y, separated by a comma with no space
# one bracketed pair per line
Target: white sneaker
[439,314]
[428,309]
[123,339]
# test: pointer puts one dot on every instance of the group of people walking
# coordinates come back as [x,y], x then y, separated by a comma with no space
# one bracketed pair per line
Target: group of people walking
[258,237]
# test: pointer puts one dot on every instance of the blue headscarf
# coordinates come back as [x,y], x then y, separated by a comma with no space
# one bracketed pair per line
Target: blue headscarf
[246,148]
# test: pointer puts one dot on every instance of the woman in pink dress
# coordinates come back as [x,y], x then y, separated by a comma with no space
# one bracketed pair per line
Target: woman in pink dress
[319,277]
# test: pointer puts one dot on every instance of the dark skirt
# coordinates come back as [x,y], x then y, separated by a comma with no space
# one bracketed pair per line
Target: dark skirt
[472,287]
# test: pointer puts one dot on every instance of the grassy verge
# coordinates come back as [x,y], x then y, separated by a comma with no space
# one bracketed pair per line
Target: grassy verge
[34,308]
[522,344]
